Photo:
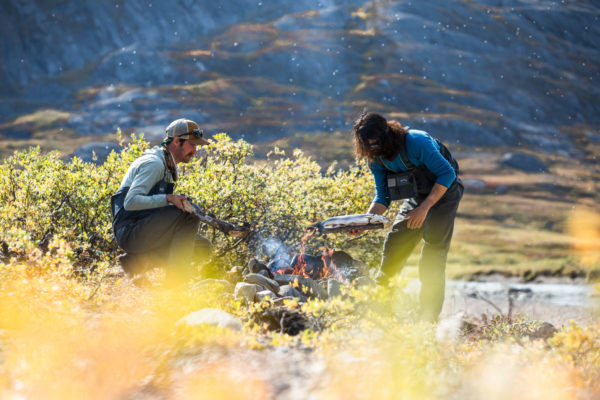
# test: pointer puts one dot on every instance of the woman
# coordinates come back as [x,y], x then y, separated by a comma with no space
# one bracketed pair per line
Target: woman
[428,213]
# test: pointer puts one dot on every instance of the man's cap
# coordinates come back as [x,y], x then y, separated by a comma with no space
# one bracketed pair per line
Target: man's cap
[186,129]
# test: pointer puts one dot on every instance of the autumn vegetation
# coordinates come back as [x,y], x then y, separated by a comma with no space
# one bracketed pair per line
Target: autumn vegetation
[73,326]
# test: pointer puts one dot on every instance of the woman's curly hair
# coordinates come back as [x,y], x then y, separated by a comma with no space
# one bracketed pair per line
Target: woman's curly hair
[388,134]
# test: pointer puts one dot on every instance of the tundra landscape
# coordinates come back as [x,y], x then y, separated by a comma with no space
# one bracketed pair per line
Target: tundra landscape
[281,312]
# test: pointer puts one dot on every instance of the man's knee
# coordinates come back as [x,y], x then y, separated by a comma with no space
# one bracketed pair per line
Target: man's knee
[187,220]
[202,248]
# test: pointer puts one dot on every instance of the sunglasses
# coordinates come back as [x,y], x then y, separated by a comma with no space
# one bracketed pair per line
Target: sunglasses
[195,134]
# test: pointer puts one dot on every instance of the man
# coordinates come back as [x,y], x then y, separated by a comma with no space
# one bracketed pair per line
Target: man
[149,221]
[409,164]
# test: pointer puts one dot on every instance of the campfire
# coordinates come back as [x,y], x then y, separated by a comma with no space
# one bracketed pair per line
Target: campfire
[320,267]
[313,267]
[303,276]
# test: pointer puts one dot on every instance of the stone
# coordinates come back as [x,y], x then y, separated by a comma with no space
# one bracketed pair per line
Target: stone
[235,274]
[305,285]
[474,185]
[210,316]
[545,331]
[265,273]
[523,162]
[256,267]
[264,294]
[288,291]
[501,189]
[282,319]
[257,279]
[245,290]
[280,301]
[333,288]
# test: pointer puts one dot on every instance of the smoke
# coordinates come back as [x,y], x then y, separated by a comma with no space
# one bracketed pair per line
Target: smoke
[275,251]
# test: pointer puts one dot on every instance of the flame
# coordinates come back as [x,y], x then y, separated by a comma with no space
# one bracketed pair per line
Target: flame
[300,267]
[329,269]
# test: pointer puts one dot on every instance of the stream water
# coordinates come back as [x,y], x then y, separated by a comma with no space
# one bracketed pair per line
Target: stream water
[580,295]
[553,302]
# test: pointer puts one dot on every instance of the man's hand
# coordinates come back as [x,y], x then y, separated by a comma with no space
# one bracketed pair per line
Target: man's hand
[177,200]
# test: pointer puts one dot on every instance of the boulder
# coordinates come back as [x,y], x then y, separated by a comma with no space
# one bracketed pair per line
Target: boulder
[210,316]
[501,189]
[246,291]
[264,294]
[306,285]
[545,331]
[235,274]
[280,301]
[474,185]
[333,288]
[523,162]
[288,291]
[256,267]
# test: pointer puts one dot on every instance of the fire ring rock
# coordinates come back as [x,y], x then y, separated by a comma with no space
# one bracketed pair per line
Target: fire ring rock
[333,288]
[265,294]
[288,291]
[256,267]
[306,285]
[246,291]
[257,279]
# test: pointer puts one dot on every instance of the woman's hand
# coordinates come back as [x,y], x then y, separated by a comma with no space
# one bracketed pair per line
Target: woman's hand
[416,217]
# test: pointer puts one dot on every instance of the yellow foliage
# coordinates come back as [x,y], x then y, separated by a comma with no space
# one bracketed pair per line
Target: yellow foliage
[584,228]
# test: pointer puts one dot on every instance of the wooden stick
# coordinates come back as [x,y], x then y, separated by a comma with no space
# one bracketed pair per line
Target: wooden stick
[223,226]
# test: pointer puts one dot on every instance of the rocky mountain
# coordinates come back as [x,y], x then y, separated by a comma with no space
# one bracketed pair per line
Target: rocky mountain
[482,73]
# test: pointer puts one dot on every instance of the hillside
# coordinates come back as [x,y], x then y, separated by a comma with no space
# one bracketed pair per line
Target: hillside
[485,74]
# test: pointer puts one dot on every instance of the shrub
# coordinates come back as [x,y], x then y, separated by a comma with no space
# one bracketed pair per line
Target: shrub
[47,197]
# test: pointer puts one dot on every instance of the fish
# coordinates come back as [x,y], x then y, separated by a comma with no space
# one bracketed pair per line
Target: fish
[342,223]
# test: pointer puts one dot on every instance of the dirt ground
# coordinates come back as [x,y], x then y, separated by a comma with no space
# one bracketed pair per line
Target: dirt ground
[290,373]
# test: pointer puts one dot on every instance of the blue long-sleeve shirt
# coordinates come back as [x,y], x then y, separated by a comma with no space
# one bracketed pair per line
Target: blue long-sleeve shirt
[420,149]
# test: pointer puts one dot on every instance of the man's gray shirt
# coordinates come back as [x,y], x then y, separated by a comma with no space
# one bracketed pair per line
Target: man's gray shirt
[145,172]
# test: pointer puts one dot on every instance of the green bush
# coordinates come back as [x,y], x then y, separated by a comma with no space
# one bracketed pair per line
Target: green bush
[46,197]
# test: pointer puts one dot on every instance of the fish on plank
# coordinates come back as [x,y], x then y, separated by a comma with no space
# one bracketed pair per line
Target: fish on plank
[344,223]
